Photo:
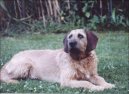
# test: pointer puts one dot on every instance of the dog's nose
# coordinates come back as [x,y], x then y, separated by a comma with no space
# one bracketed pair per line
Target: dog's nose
[73,44]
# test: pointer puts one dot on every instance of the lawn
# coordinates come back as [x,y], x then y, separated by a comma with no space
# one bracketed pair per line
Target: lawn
[112,51]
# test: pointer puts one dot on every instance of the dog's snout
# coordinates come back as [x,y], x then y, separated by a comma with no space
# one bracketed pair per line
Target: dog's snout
[73,44]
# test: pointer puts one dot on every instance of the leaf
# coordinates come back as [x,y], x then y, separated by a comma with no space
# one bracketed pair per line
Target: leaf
[127,22]
[103,18]
[87,14]
[84,9]
[95,19]
[114,15]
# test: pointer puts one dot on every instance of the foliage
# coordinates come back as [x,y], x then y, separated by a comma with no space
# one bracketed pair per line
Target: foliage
[112,51]
[54,14]
[52,27]
[118,20]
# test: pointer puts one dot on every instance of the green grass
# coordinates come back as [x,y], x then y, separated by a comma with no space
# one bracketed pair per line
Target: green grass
[112,51]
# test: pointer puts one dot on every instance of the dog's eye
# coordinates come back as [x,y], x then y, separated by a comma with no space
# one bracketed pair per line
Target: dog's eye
[70,36]
[80,36]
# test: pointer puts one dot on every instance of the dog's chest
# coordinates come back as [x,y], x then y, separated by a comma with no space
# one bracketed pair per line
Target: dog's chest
[83,69]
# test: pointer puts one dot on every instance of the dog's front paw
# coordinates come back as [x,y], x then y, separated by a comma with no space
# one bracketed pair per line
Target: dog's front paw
[97,88]
[109,86]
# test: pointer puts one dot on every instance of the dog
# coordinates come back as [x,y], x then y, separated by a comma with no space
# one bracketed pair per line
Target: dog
[73,66]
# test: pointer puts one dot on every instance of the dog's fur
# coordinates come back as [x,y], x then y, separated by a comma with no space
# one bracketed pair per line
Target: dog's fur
[74,66]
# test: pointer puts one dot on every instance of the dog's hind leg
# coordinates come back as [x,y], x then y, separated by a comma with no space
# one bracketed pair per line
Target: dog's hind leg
[14,70]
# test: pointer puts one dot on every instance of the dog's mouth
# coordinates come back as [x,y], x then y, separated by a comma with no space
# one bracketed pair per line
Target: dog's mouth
[75,51]
[77,54]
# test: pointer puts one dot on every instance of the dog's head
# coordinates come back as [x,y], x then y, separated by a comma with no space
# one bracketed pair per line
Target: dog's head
[79,43]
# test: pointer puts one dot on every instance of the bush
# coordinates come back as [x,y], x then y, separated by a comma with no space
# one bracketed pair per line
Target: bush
[61,16]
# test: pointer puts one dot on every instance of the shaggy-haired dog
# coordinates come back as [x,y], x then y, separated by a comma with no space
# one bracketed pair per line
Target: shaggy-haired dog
[74,66]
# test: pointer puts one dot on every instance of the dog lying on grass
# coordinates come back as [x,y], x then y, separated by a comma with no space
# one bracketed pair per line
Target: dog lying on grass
[73,66]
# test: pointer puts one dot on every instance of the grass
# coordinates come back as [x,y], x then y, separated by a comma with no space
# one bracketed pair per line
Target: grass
[112,51]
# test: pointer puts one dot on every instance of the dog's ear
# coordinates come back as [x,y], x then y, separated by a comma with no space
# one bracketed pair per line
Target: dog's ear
[65,42]
[92,40]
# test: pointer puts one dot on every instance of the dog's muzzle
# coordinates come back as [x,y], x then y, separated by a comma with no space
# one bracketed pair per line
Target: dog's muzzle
[73,48]
[73,44]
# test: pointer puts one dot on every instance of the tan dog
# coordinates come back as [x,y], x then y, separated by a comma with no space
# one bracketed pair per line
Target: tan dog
[74,66]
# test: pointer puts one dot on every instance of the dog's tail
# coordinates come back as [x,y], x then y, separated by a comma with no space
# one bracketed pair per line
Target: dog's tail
[0,75]
[5,75]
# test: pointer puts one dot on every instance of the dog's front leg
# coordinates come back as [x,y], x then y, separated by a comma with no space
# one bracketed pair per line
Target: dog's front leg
[98,80]
[82,84]
[67,81]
